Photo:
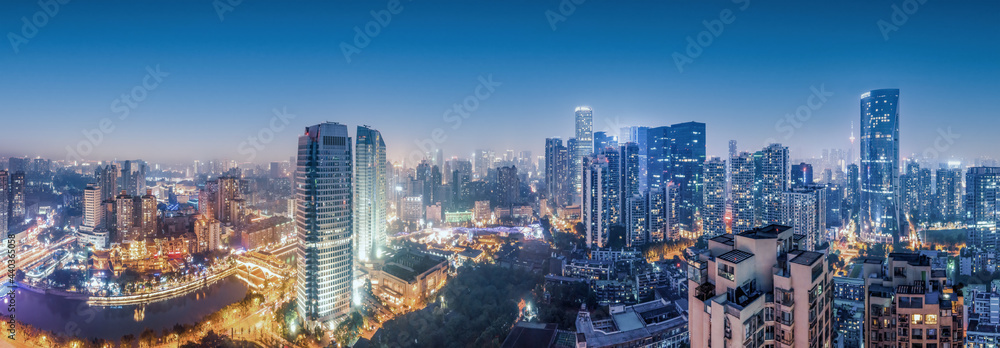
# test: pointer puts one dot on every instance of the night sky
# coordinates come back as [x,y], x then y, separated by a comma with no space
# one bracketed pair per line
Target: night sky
[226,75]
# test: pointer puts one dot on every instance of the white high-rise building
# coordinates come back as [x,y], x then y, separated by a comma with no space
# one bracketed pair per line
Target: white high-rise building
[369,194]
[584,144]
[598,200]
[323,224]
[714,209]
[804,209]
[742,191]
[91,207]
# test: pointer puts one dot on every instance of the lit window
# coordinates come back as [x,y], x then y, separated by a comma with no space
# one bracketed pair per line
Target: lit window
[916,319]
[931,319]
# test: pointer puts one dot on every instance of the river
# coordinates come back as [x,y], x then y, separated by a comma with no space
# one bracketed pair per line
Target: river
[75,318]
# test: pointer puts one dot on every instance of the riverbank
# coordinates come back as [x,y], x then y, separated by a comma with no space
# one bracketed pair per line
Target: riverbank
[139,299]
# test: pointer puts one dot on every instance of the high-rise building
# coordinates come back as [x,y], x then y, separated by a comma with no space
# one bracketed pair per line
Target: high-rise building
[909,186]
[18,164]
[657,219]
[207,230]
[108,180]
[742,191]
[984,319]
[658,156]
[18,196]
[91,207]
[227,194]
[804,209]
[483,161]
[637,220]
[369,194]
[852,192]
[982,208]
[774,182]
[757,288]
[557,167]
[146,220]
[598,199]
[879,212]
[324,224]
[949,194]
[802,174]
[631,172]
[729,170]
[4,203]
[615,172]
[509,185]
[126,228]
[834,205]
[133,177]
[584,144]
[603,140]
[687,161]
[910,304]
[640,136]
[714,211]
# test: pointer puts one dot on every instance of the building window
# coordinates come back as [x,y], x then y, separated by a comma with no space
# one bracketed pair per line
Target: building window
[917,319]
[931,319]
[918,334]
[931,333]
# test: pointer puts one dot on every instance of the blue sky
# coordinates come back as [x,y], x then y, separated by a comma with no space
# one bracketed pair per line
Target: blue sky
[226,76]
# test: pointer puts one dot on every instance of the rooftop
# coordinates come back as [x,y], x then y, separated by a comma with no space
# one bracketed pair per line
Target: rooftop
[530,335]
[726,239]
[736,256]
[766,232]
[807,258]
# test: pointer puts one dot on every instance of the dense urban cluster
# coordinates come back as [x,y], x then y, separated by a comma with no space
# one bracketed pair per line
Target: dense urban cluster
[621,238]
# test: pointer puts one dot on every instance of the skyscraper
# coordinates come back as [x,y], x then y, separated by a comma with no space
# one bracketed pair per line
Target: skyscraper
[107,180]
[603,140]
[557,168]
[4,203]
[879,214]
[687,158]
[584,143]
[949,194]
[852,192]
[324,224]
[714,210]
[91,207]
[742,192]
[774,182]
[369,194]
[509,185]
[658,154]
[982,208]
[630,173]
[133,177]
[640,136]
[18,192]
[804,209]
[802,174]
[637,220]
[598,198]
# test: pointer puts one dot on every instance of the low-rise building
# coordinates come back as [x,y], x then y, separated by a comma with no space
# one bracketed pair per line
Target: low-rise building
[657,323]
[409,277]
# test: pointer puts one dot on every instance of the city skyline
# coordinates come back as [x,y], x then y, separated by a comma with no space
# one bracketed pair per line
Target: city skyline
[376,92]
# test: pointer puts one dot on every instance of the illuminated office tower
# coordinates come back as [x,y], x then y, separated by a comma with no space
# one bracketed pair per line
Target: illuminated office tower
[323,223]
[369,194]
[598,200]
[4,203]
[557,167]
[630,171]
[584,144]
[982,208]
[714,209]
[18,192]
[878,217]
[616,206]
[852,192]
[910,189]
[602,141]
[658,155]
[802,174]
[949,194]
[687,159]
[804,209]
[640,136]
[91,207]
[774,183]
[742,191]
